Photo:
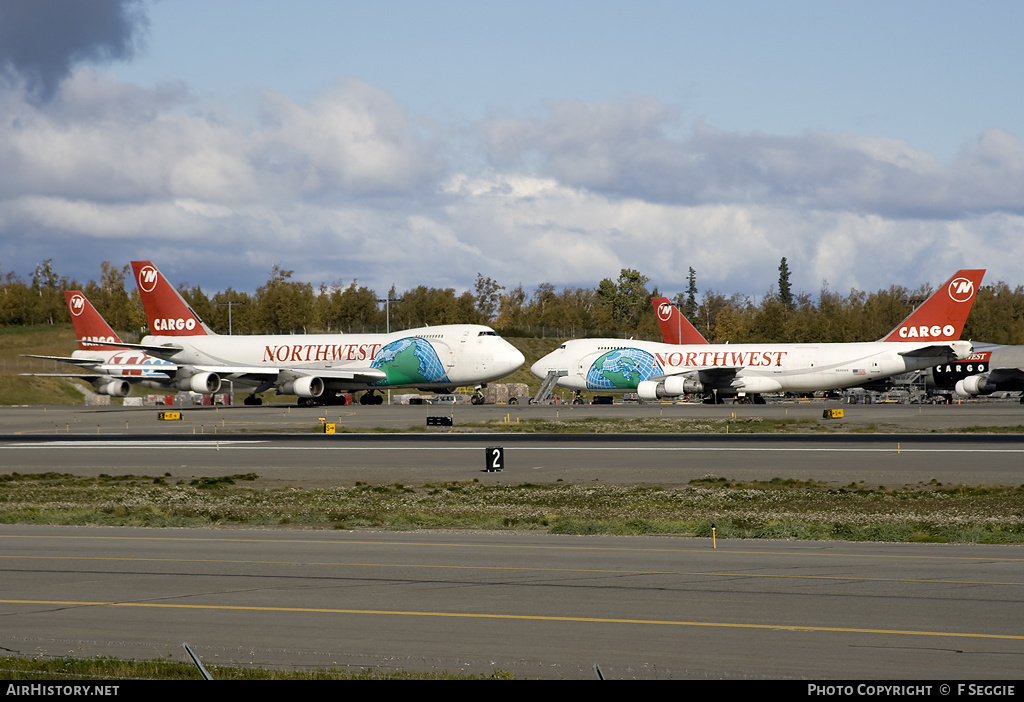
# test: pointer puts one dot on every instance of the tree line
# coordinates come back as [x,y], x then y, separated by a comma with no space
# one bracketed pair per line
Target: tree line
[615,308]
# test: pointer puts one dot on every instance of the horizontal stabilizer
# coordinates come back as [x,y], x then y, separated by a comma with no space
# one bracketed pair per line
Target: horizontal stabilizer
[933,351]
[157,351]
[63,359]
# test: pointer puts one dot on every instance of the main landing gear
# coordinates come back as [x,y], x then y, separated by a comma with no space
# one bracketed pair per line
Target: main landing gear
[328,398]
[371,398]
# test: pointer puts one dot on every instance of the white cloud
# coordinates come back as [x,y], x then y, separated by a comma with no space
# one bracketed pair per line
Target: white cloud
[352,138]
[350,186]
[625,151]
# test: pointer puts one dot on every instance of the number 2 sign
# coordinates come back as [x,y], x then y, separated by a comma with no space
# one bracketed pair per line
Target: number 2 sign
[495,459]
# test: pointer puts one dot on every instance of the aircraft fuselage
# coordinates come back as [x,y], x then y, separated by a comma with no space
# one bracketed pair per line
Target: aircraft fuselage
[429,357]
[604,365]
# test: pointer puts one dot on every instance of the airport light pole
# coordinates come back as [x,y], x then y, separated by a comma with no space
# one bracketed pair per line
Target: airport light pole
[387,313]
[387,308]
[229,304]
[231,383]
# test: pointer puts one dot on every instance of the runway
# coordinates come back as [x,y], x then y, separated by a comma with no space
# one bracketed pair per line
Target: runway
[536,606]
[314,461]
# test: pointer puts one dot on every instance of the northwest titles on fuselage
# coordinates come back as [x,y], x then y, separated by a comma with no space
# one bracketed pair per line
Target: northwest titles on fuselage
[296,353]
[719,359]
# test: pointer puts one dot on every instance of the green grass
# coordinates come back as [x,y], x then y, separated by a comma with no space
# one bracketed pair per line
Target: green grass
[110,671]
[772,509]
[654,425]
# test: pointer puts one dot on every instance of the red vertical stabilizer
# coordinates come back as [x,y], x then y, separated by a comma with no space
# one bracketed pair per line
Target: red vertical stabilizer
[93,332]
[942,316]
[166,310]
[675,328]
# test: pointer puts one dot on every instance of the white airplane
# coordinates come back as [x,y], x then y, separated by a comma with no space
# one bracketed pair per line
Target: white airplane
[929,336]
[113,370]
[319,368]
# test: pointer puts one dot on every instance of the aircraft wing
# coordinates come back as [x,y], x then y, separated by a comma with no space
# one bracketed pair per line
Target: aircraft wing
[360,375]
[135,370]
[354,375]
[705,375]
[729,378]
[1005,375]
[717,377]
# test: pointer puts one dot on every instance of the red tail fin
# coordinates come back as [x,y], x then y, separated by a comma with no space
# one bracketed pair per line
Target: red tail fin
[675,328]
[166,311]
[943,315]
[92,330]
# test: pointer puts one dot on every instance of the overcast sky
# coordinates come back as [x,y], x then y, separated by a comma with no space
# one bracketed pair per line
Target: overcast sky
[420,143]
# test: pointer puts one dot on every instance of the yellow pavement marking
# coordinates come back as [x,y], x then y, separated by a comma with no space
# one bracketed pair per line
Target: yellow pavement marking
[521,617]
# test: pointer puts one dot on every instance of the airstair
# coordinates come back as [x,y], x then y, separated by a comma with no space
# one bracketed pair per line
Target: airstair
[547,387]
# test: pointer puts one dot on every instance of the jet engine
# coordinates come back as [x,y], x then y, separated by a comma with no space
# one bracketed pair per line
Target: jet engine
[306,386]
[203,383]
[113,387]
[975,385]
[669,387]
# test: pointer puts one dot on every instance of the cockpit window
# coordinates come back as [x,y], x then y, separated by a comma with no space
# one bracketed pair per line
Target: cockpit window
[488,333]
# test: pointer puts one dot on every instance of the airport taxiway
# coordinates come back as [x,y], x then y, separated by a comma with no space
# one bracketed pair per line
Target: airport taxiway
[538,606]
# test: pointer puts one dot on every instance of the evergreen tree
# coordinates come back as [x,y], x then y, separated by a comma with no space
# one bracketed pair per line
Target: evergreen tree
[785,290]
[690,304]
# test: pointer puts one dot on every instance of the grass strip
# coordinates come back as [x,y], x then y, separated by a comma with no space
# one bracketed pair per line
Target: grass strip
[775,509]
[105,670]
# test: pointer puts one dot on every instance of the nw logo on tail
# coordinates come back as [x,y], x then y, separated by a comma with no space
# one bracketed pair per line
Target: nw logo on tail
[665,311]
[77,304]
[148,278]
[961,290]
